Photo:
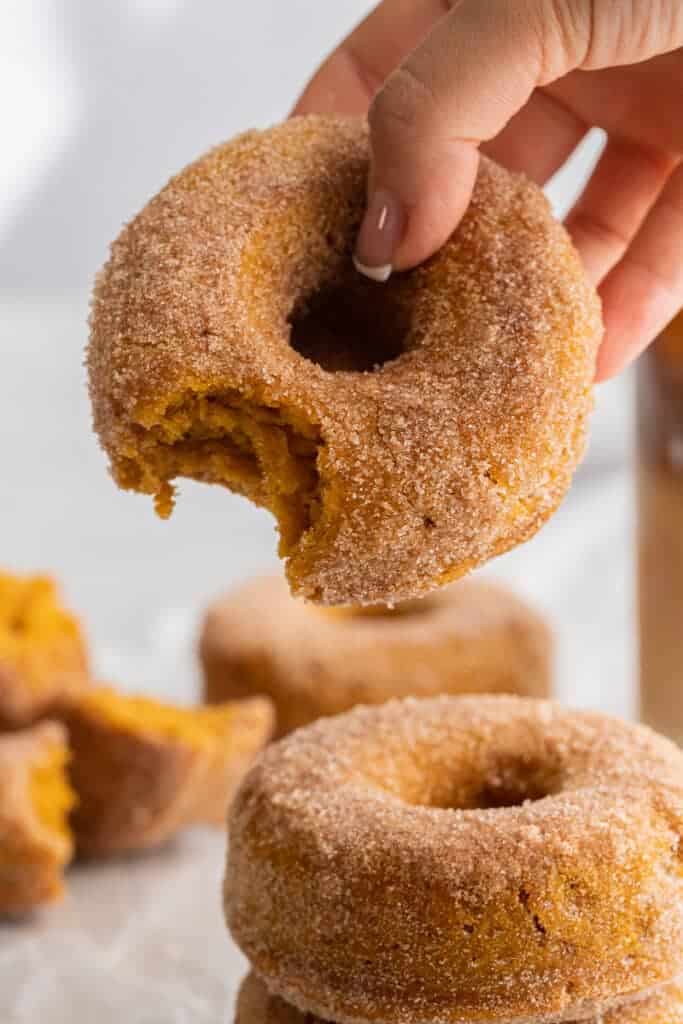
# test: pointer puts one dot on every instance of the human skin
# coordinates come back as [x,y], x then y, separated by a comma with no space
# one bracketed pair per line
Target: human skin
[523,81]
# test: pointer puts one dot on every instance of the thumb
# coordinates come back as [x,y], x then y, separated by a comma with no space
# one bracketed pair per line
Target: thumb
[476,69]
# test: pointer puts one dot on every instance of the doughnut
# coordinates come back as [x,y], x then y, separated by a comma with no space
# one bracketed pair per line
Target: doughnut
[255,1005]
[35,800]
[471,637]
[142,770]
[43,653]
[460,859]
[400,434]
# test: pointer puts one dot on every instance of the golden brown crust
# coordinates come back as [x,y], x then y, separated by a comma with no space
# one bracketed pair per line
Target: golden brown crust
[137,784]
[472,637]
[386,483]
[34,849]
[460,859]
[255,1005]
[43,653]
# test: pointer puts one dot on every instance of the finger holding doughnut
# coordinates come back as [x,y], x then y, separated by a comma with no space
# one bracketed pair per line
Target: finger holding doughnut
[432,114]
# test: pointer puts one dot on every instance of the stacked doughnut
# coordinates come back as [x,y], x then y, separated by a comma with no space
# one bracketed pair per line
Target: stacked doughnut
[461,859]
[472,637]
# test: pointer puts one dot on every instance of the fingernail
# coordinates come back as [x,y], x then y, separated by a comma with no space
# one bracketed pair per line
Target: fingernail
[379,236]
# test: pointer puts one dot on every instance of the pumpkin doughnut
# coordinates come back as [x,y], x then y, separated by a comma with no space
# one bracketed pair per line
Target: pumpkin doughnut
[401,434]
[255,1005]
[43,653]
[472,637]
[35,800]
[460,859]
[142,770]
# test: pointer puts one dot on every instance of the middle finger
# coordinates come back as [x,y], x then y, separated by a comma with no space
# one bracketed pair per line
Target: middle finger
[347,81]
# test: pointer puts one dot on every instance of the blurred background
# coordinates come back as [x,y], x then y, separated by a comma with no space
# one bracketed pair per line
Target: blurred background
[102,102]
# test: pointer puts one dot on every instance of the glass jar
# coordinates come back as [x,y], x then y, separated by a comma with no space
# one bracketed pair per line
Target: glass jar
[660,532]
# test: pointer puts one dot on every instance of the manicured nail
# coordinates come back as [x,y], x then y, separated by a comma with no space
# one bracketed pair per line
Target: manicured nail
[380,236]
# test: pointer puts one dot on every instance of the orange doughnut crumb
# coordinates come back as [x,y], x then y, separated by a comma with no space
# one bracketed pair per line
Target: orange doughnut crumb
[401,434]
[255,1005]
[42,649]
[35,800]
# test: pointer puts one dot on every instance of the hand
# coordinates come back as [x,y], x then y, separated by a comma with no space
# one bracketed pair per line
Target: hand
[524,80]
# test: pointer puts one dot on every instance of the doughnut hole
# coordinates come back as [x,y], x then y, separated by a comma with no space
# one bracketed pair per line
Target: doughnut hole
[351,324]
[513,785]
[474,779]
[504,783]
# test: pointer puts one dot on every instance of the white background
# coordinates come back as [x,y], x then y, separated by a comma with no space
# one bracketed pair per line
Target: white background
[100,101]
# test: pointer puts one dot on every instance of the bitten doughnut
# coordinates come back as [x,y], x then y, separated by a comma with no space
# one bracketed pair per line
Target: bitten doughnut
[460,859]
[401,434]
[472,637]
[35,800]
[142,770]
[255,1005]
[43,653]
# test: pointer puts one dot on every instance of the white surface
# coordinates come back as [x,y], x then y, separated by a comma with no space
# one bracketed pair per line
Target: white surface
[142,940]
[137,942]
[107,100]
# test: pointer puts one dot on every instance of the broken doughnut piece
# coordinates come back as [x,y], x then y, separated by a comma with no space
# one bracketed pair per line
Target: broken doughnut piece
[144,769]
[35,801]
[43,653]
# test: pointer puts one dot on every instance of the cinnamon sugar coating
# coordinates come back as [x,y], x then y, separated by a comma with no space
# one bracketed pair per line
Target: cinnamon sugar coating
[255,1005]
[460,859]
[402,434]
[473,637]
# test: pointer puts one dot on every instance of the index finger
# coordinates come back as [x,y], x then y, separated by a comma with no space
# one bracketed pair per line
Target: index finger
[347,81]
[645,290]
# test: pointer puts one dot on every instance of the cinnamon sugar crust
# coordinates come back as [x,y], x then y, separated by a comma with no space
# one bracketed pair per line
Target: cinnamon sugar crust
[401,434]
[255,1005]
[472,637]
[460,859]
